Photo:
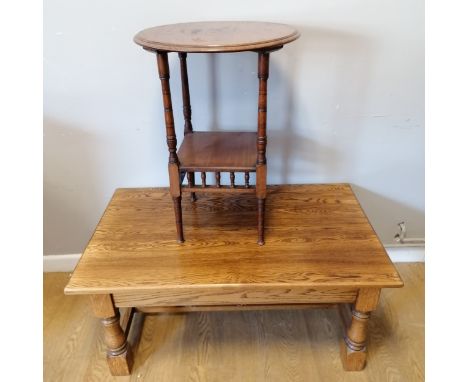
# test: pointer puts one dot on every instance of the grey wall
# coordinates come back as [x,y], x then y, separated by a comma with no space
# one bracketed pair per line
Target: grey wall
[346,104]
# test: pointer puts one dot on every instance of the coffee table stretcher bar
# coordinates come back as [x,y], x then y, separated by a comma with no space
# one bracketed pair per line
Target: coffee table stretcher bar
[321,251]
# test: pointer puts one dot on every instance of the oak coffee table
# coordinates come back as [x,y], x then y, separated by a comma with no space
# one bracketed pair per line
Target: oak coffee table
[216,152]
[321,251]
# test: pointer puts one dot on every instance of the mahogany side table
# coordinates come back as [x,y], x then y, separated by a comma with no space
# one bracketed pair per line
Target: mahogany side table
[216,152]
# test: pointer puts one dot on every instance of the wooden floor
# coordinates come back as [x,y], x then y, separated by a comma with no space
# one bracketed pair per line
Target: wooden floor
[289,345]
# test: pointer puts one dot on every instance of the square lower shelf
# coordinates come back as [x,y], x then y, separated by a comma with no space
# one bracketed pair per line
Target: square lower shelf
[218,151]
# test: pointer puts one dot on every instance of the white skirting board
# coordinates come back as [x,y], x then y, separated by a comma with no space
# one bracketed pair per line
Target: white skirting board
[406,253]
[60,263]
[66,263]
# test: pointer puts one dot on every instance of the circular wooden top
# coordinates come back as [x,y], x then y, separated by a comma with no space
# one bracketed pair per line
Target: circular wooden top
[216,36]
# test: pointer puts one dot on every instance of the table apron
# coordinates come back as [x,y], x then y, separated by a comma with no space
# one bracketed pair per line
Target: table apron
[228,295]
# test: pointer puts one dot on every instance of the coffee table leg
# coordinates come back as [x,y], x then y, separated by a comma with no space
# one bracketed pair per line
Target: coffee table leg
[119,353]
[353,346]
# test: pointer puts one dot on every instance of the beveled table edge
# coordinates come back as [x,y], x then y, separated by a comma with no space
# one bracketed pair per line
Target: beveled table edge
[274,44]
[70,290]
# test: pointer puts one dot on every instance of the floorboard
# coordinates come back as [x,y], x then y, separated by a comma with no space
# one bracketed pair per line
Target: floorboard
[287,345]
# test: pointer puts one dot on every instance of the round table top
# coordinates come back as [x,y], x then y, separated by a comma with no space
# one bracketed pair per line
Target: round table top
[216,36]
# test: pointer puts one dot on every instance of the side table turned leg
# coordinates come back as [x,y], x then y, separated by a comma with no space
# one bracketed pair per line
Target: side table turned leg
[173,166]
[353,346]
[261,167]
[261,221]
[178,217]
[119,353]
[188,129]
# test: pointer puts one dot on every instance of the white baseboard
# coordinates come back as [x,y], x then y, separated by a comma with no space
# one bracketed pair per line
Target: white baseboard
[406,253]
[60,263]
[67,263]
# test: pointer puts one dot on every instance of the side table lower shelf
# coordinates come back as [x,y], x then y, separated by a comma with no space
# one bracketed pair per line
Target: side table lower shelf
[218,151]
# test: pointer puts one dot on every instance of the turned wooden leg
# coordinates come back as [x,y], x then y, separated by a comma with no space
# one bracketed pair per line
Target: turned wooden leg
[261,166]
[173,166]
[178,217]
[187,111]
[261,221]
[119,353]
[353,345]
[185,93]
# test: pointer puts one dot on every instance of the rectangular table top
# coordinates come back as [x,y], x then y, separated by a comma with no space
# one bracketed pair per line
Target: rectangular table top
[316,236]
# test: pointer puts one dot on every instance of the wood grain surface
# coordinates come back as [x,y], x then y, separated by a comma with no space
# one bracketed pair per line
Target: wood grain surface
[317,236]
[218,151]
[288,345]
[216,36]
[234,295]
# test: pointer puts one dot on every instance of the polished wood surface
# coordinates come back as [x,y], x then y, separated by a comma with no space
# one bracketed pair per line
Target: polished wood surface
[317,237]
[218,151]
[228,308]
[216,36]
[234,295]
[285,345]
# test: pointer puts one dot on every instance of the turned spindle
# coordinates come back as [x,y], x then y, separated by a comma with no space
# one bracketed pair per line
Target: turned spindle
[218,179]
[190,179]
[191,183]
[233,179]
[246,178]
[203,179]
